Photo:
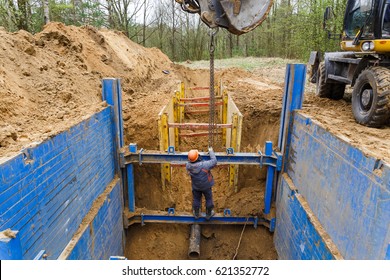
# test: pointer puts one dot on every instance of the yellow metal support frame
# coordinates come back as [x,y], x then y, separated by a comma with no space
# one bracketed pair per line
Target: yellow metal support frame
[164,143]
[224,110]
[233,170]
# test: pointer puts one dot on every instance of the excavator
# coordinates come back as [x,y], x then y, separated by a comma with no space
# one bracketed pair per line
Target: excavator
[364,63]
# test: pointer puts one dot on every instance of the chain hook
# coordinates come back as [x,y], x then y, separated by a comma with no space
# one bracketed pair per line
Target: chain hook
[212,33]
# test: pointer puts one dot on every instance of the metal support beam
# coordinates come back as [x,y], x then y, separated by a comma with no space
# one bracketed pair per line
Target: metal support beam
[194,99]
[199,88]
[197,125]
[164,144]
[198,134]
[269,181]
[197,112]
[187,218]
[182,95]
[199,104]
[224,114]
[130,181]
[112,94]
[142,157]
[233,170]
[292,100]
[176,116]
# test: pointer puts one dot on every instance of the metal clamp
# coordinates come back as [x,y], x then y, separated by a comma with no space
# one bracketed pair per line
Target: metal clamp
[261,159]
[272,225]
[140,156]
[279,160]
[122,160]
[171,211]
[171,150]
[230,151]
[227,212]
[256,222]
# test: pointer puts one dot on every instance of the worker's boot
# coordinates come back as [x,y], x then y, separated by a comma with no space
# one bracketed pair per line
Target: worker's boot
[196,212]
[209,213]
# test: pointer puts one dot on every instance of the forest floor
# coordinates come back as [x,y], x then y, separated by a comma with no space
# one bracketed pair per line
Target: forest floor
[50,81]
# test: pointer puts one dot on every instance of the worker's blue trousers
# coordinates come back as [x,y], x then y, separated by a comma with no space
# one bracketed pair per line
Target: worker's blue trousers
[197,198]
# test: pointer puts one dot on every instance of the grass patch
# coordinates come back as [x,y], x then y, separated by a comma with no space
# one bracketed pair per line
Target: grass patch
[247,63]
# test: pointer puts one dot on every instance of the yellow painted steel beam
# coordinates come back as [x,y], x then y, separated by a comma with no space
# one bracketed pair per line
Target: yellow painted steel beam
[233,170]
[182,95]
[225,99]
[176,116]
[164,143]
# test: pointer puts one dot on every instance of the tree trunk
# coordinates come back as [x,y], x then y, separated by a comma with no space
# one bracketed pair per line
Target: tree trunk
[22,17]
[144,25]
[230,38]
[173,30]
[46,16]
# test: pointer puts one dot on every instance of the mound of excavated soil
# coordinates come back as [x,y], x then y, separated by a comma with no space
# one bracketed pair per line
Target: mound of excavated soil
[49,81]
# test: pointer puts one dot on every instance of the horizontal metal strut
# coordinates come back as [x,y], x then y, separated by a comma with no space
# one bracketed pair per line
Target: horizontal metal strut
[198,125]
[187,218]
[194,99]
[198,104]
[198,134]
[143,156]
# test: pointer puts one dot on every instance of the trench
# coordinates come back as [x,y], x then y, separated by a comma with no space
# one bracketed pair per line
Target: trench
[171,241]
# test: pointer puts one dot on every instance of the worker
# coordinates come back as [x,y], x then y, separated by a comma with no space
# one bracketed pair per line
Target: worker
[202,181]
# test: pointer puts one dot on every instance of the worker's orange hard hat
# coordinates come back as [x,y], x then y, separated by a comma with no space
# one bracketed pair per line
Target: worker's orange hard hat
[193,155]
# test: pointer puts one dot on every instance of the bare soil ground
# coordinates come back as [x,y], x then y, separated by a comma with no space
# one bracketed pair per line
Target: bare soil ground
[52,80]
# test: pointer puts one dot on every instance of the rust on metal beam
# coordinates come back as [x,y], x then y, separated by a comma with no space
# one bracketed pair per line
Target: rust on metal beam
[198,125]
[199,104]
[192,99]
[196,134]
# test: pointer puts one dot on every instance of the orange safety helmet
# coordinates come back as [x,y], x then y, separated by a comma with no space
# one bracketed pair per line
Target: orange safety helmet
[193,155]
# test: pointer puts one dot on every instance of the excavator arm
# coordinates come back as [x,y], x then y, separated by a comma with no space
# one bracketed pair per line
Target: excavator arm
[237,16]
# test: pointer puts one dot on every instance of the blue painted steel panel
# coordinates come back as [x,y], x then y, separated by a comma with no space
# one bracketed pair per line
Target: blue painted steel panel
[10,247]
[103,237]
[344,188]
[47,190]
[295,235]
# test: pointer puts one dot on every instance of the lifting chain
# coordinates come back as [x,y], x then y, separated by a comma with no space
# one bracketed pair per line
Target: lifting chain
[212,124]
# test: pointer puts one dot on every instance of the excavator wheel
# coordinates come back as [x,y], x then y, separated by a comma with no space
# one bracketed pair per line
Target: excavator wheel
[371,97]
[328,90]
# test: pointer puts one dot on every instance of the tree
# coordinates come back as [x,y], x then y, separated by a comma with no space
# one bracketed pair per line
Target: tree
[46,15]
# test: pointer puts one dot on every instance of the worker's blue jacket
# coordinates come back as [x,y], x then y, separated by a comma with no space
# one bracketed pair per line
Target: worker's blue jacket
[200,173]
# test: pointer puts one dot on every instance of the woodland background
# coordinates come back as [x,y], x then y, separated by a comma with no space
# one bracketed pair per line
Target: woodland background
[292,29]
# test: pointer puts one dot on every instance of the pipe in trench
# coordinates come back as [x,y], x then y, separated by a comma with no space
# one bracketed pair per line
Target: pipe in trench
[194,248]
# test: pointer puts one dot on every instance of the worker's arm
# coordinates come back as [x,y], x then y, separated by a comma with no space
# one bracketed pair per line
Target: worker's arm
[208,164]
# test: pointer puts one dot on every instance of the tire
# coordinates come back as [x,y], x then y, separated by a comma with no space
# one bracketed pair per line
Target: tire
[371,97]
[338,91]
[328,90]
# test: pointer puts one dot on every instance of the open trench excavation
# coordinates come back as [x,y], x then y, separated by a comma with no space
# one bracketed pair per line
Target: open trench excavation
[261,123]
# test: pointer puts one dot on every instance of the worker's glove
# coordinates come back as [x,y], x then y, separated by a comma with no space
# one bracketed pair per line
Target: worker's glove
[211,149]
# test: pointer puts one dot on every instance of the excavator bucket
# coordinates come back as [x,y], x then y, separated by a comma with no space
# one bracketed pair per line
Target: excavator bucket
[237,16]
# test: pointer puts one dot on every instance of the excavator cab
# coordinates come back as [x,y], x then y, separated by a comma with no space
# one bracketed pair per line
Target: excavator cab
[366,22]
[237,16]
[364,63]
